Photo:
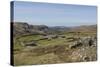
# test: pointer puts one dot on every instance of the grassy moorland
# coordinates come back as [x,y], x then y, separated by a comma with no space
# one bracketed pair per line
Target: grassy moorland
[49,47]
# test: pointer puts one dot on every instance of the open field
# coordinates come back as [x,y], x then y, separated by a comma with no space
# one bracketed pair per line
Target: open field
[55,48]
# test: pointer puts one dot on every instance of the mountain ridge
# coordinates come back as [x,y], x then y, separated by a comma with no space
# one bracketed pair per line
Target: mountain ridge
[25,28]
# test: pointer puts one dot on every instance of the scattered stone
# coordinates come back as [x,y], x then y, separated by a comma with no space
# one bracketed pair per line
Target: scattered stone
[28,44]
[86,58]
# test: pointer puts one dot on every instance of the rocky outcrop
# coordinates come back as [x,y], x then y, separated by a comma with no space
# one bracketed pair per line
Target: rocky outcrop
[85,41]
[24,29]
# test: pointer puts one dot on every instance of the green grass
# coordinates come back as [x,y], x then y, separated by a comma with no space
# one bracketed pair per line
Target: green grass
[30,37]
[60,54]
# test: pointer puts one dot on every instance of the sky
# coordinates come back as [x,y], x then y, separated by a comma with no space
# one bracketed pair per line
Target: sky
[54,14]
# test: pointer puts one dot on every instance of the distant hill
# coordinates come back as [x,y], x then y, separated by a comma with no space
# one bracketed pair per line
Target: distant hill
[84,28]
[20,28]
[24,28]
